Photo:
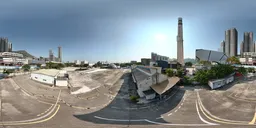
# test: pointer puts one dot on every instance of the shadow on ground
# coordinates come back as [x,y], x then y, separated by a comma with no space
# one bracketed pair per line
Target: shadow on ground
[122,111]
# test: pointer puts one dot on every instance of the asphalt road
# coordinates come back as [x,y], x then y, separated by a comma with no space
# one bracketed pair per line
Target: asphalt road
[232,106]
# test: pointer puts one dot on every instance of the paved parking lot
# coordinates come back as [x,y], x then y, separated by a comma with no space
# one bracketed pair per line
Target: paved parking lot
[232,106]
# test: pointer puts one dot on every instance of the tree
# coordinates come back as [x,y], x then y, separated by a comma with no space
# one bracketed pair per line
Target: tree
[179,72]
[251,70]
[188,64]
[169,72]
[205,62]
[242,70]
[26,67]
[233,60]
[8,71]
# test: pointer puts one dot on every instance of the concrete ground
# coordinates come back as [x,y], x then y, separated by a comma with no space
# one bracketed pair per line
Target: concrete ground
[109,106]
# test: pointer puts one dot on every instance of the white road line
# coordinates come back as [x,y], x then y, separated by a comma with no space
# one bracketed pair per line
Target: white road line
[120,120]
[176,110]
[153,122]
[169,114]
[179,107]
[201,117]
[159,117]
[181,104]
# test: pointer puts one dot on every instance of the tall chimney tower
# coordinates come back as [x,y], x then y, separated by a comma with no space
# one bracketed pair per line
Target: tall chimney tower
[180,52]
[60,54]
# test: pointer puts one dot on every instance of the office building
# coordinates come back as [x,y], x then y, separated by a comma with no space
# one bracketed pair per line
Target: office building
[180,52]
[231,36]
[59,54]
[4,44]
[254,46]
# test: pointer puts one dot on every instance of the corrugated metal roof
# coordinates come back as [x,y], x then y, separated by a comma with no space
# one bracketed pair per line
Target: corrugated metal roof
[48,72]
[166,85]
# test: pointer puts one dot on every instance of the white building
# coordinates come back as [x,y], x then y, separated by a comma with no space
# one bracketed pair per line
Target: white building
[77,62]
[150,81]
[50,76]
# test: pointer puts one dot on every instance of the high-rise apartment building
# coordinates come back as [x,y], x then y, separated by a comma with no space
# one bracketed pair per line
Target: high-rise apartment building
[9,47]
[227,42]
[180,52]
[246,42]
[4,45]
[222,46]
[251,43]
[231,36]
[51,57]
[241,48]
[60,54]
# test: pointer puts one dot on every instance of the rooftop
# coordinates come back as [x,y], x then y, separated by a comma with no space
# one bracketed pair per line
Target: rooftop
[48,72]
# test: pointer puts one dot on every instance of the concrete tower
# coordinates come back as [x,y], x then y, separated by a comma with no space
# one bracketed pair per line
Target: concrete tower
[180,52]
[233,42]
[60,54]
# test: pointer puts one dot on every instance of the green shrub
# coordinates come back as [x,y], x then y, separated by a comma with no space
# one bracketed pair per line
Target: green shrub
[169,72]
[250,70]
[134,98]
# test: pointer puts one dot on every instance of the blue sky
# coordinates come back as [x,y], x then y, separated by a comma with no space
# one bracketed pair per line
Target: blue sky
[121,30]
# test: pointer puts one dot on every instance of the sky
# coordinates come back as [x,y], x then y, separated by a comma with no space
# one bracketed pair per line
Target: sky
[121,30]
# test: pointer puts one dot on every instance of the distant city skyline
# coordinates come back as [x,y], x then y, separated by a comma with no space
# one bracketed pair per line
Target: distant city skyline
[121,31]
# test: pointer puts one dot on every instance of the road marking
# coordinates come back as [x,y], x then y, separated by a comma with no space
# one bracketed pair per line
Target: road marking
[202,118]
[219,120]
[170,124]
[181,104]
[149,121]
[179,107]
[35,120]
[254,118]
[159,117]
[169,114]
[119,120]
[45,111]
[176,110]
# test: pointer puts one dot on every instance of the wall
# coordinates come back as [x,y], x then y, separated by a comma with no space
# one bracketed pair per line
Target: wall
[42,78]
[61,83]
[151,96]
[143,86]
[221,82]
[162,78]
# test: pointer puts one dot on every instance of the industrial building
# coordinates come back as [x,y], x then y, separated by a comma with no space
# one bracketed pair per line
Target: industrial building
[150,82]
[51,77]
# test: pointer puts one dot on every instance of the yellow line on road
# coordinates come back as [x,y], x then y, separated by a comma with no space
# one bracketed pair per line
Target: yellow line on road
[254,118]
[217,119]
[35,122]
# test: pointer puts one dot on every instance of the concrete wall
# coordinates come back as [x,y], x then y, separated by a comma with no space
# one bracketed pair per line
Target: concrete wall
[162,78]
[61,83]
[220,82]
[151,96]
[42,78]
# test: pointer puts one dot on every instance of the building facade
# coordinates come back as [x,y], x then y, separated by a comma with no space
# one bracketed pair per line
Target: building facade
[227,42]
[180,48]
[5,46]
[241,48]
[251,43]
[222,46]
